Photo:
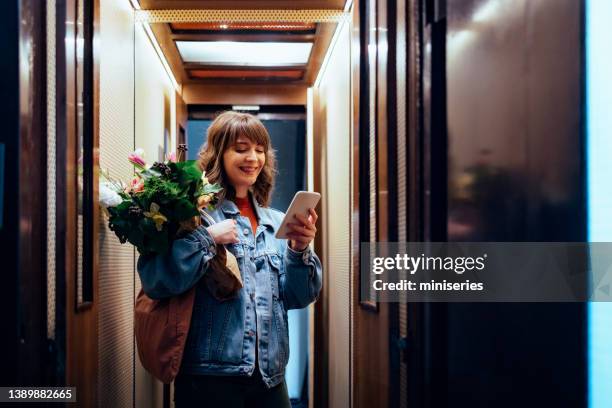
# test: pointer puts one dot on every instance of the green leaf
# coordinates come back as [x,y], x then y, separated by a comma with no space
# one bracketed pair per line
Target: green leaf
[136,237]
[184,209]
[207,189]
[187,172]
[123,207]
[147,174]
[147,226]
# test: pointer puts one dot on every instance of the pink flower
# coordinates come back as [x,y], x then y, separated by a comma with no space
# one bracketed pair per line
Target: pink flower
[171,157]
[136,186]
[136,158]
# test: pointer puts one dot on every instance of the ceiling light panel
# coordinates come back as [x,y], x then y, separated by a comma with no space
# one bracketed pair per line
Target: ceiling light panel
[244,53]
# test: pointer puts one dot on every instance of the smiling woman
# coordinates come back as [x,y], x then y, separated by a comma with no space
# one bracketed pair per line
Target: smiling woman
[237,350]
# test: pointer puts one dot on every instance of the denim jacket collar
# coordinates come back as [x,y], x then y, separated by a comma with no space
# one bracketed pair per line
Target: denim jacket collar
[229,207]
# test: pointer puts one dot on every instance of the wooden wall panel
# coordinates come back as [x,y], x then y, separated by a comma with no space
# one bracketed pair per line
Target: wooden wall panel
[321,312]
[25,212]
[371,339]
[244,94]
[80,322]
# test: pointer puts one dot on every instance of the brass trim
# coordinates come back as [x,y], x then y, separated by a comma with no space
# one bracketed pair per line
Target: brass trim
[200,16]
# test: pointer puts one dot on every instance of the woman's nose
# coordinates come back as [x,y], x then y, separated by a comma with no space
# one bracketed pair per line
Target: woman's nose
[252,156]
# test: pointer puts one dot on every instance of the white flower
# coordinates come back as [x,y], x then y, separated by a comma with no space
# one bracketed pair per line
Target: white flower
[107,196]
[204,178]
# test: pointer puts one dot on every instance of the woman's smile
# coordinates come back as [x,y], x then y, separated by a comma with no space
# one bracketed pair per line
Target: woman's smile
[250,170]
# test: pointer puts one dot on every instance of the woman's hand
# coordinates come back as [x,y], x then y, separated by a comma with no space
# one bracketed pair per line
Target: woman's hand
[224,232]
[302,230]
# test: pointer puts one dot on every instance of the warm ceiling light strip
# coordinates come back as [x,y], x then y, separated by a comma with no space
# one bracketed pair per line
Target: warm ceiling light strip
[332,44]
[161,56]
[285,74]
[244,16]
[268,26]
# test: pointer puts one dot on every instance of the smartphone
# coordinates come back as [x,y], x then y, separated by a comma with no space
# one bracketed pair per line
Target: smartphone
[302,201]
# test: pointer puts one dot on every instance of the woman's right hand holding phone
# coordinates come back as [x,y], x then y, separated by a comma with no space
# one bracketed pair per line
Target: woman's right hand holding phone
[224,232]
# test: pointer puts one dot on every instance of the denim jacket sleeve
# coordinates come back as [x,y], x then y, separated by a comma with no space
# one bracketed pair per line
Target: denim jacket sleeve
[301,283]
[172,273]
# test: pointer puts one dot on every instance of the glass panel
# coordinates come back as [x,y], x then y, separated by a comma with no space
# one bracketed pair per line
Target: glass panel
[244,53]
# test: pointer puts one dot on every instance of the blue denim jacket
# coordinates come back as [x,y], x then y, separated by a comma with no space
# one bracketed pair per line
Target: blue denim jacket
[223,335]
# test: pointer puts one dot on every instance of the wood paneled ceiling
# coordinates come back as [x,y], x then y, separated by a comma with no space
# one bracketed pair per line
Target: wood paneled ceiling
[186,72]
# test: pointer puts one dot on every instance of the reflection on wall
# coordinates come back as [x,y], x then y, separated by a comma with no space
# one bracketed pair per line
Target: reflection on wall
[501,110]
[116,275]
[515,173]
[154,101]
[154,132]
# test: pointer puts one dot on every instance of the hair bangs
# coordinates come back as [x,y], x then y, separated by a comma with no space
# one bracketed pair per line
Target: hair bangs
[251,128]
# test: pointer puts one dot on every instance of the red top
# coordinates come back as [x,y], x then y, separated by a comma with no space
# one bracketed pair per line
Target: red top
[246,210]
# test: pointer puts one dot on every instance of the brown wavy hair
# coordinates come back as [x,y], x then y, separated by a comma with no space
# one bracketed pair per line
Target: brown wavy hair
[222,134]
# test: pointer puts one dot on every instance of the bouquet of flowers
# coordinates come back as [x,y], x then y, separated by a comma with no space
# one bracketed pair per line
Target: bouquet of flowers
[158,203]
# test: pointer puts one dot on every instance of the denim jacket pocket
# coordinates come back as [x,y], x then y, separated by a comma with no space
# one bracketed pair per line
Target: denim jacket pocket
[221,331]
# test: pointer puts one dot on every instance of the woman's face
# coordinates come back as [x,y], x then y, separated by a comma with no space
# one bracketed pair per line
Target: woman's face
[242,163]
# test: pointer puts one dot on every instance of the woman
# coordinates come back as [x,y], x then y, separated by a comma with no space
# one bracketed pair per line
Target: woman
[237,350]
